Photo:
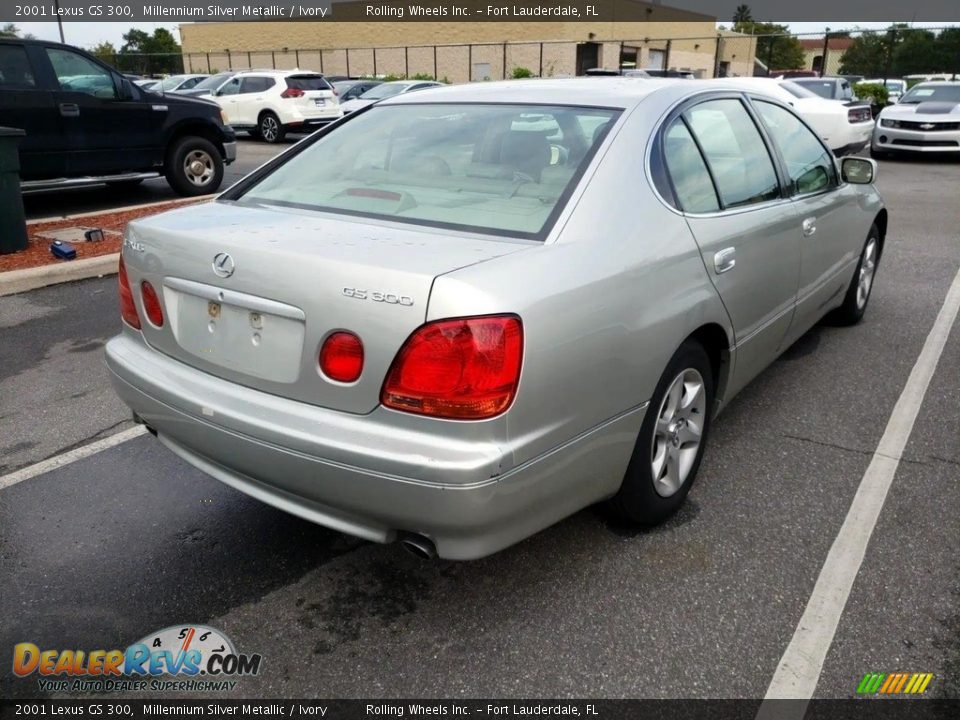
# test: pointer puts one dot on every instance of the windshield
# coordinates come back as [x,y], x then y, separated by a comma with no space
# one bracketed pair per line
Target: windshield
[171,82]
[499,169]
[932,93]
[384,91]
[823,88]
[797,90]
[213,82]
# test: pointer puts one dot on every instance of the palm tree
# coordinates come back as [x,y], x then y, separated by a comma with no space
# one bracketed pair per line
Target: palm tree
[742,15]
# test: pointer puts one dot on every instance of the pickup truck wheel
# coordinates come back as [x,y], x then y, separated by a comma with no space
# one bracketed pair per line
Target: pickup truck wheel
[194,166]
[270,128]
[672,438]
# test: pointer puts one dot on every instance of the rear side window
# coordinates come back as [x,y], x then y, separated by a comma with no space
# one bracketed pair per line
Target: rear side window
[809,165]
[15,71]
[256,84]
[308,82]
[735,152]
[691,180]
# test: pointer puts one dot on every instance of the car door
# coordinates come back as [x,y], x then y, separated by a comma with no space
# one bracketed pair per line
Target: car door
[253,97]
[727,185]
[829,219]
[105,133]
[27,102]
[228,98]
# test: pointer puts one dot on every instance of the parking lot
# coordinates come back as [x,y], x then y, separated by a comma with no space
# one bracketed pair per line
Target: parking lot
[100,551]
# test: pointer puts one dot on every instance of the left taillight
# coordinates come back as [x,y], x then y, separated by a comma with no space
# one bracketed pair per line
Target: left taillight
[859,114]
[128,310]
[151,304]
[291,92]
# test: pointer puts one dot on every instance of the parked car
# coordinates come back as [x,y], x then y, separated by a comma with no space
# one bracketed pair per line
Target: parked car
[86,123]
[177,83]
[791,74]
[845,130]
[679,74]
[831,88]
[386,90]
[439,323]
[147,83]
[270,103]
[617,72]
[352,89]
[209,85]
[895,88]
[927,119]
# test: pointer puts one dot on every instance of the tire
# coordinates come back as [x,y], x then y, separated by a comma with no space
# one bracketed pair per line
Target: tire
[270,129]
[861,284]
[666,435]
[194,166]
[879,154]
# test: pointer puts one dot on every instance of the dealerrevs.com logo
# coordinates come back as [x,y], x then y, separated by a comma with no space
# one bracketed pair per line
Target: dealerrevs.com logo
[178,658]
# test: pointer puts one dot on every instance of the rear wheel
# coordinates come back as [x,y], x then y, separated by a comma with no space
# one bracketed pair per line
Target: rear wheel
[270,128]
[194,166]
[861,285]
[672,438]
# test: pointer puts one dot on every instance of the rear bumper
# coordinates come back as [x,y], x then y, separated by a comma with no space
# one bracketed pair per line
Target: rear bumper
[364,475]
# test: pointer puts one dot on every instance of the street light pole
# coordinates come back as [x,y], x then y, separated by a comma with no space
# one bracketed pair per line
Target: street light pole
[59,21]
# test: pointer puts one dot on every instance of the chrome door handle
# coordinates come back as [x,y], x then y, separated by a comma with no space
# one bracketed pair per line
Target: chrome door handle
[809,226]
[724,260]
[69,110]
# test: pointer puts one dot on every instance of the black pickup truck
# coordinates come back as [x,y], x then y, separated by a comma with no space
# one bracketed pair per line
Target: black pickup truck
[87,123]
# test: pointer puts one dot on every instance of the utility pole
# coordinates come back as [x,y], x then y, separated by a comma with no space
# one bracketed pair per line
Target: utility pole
[59,21]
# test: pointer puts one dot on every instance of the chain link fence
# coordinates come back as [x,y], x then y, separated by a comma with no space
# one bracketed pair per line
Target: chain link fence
[899,52]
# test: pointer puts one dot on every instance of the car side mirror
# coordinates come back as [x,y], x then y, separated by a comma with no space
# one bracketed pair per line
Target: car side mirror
[858,170]
[126,90]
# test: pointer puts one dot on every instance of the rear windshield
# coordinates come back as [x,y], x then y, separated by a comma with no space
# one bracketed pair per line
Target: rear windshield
[213,82]
[384,91]
[932,93]
[823,88]
[500,169]
[308,82]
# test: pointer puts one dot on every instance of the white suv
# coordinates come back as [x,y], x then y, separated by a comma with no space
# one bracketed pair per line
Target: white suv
[269,103]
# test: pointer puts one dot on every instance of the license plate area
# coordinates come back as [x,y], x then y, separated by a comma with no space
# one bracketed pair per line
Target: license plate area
[320,102]
[243,333]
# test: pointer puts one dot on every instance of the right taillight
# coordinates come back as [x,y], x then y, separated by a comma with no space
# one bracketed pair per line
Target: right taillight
[128,311]
[463,369]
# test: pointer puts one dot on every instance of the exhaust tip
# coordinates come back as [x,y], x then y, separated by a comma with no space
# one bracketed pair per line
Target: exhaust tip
[418,545]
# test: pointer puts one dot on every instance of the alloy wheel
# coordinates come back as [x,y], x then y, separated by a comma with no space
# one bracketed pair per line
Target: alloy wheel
[677,434]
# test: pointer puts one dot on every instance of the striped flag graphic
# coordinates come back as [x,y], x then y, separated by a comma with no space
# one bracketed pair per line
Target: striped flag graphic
[898,683]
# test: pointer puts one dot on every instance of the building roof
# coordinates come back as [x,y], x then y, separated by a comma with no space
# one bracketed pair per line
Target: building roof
[839,43]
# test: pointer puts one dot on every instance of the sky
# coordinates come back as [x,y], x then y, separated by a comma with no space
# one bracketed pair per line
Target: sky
[87,34]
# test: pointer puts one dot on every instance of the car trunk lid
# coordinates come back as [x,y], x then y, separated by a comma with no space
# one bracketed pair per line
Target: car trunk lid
[250,293]
[311,94]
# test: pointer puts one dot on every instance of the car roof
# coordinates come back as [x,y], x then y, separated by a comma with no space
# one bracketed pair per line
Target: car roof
[597,91]
[936,83]
[279,73]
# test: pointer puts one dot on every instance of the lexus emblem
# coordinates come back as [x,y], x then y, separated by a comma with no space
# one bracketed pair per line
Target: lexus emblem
[223,265]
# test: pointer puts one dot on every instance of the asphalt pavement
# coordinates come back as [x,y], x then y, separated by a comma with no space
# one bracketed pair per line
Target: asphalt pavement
[100,552]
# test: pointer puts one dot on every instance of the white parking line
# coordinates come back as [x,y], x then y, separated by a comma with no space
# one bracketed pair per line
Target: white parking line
[71,456]
[799,669]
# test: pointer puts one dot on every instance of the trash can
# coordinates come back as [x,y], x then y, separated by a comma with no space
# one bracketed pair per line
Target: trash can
[13,222]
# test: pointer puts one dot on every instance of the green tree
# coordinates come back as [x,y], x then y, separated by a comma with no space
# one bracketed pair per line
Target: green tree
[917,52]
[150,54]
[775,47]
[867,55]
[11,30]
[105,51]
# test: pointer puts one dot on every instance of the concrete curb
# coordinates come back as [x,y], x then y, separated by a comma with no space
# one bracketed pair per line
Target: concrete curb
[18,281]
[126,208]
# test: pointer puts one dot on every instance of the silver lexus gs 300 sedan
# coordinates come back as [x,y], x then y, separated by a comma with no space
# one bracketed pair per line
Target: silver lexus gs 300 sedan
[460,315]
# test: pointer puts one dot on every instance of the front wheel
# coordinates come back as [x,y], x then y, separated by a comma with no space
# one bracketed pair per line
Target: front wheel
[672,438]
[270,128]
[858,293]
[194,166]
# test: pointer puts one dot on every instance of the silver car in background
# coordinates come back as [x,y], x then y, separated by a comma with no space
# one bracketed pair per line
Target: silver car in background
[926,119]
[457,317]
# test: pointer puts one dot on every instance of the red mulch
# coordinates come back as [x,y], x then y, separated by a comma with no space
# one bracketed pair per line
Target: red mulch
[38,251]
